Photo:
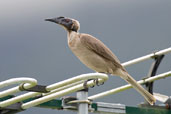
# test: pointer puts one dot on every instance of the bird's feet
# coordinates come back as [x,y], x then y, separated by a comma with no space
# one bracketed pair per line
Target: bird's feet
[85,84]
[96,81]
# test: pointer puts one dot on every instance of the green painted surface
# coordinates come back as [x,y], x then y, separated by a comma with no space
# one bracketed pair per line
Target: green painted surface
[6,98]
[57,104]
[54,104]
[137,110]
[94,105]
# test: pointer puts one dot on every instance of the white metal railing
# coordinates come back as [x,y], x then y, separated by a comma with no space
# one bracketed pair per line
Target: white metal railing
[56,95]
[71,85]
[100,76]
[28,83]
[128,86]
[149,56]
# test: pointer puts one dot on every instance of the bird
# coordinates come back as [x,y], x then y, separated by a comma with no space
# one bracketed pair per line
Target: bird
[96,55]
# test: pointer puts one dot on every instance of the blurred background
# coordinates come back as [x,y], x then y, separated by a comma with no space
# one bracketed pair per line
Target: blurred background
[31,47]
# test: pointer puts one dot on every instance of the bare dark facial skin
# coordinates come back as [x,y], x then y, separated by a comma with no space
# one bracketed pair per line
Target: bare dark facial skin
[66,22]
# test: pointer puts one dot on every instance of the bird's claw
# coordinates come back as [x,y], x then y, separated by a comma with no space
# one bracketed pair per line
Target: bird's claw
[85,84]
[96,81]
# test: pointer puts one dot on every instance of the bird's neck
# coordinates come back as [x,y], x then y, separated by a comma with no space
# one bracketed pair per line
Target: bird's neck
[71,35]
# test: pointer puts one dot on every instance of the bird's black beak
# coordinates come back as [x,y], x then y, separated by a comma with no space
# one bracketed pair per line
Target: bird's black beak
[57,20]
[65,22]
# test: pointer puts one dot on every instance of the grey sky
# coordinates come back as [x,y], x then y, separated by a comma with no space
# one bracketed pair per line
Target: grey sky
[31,47]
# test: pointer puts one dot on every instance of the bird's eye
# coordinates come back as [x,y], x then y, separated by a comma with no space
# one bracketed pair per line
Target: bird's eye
[60,17]
[67,20]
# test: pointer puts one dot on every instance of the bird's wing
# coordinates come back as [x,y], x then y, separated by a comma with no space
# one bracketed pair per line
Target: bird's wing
[99,48]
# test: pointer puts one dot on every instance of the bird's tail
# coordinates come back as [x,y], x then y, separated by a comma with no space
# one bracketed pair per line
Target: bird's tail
[149,97]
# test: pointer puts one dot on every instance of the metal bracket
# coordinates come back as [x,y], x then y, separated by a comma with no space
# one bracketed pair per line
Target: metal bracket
[153,71]
[37,88]
[80,101]
[66,104]
[12,109]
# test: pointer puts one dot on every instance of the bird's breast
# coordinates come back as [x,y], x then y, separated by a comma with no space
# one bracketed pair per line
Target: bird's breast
[87,56]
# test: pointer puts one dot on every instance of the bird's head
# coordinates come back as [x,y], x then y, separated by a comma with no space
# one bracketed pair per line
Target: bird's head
[68,23]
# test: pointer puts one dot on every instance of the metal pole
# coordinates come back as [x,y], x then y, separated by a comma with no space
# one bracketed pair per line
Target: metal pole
[52,96]
[125,87]
[100,76]
[143,58]
[153,71]
[28,83]
[82,107]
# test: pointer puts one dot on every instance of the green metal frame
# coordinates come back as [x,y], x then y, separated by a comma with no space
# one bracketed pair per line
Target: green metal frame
[54,104]
[57,104]
[145,110]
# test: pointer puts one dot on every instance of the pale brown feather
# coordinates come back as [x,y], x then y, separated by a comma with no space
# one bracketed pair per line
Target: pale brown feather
[99,48]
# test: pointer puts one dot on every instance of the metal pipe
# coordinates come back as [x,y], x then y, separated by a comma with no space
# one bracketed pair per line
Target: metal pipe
[128,86]
[143,58]
[62,88]
[75,79]
[82,107]
[28,83]
[60,94]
